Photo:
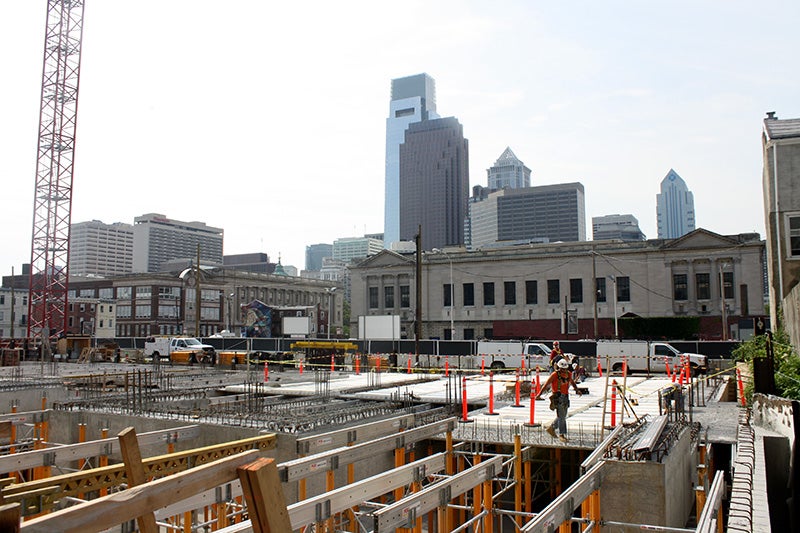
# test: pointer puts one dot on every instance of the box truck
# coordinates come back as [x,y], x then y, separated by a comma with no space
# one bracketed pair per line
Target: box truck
[646,356]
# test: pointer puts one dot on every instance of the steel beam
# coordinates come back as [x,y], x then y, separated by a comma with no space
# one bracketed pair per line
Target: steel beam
[330,460]
[405,512]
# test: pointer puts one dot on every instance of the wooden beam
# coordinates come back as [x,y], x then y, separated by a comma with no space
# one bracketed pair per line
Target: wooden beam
[263,492]
[110,511]
[132,457]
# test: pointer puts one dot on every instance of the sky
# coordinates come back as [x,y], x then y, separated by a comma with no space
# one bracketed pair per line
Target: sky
[267,119]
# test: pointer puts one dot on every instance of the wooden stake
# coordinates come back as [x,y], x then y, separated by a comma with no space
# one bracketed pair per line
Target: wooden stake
[132,457]
[266,503]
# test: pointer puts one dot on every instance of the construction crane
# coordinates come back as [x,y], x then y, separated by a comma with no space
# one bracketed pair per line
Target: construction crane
[52,205]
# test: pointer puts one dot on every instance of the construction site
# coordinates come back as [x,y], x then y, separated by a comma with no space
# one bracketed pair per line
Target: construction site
[148,447]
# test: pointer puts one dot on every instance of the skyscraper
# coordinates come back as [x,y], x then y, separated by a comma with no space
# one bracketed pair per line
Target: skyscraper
[622,227]
[413,100]
[434,182]
[315,253]
[674,207]
[548,213]
[508,171]
[100,249]
[158,239]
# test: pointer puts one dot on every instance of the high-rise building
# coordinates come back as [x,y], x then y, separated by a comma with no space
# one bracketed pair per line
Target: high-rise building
[157,239]
[622,227]
[349,248]
[252,262]
[434,182]
[674,207]
[315,253]
[100,249]
[413,100]
[508,171]
[548,213]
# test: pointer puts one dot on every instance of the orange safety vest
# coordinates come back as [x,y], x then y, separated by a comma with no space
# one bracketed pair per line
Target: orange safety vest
[560,384]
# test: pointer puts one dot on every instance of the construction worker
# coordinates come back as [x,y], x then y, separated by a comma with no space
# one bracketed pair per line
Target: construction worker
[555,355]
[559,381]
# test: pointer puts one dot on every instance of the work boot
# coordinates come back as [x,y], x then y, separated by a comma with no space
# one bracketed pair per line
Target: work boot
[563,438]
[551,431]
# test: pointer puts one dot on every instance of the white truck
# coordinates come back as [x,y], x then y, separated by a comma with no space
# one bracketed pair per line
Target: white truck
[646,356]
[499,355]
[162,348]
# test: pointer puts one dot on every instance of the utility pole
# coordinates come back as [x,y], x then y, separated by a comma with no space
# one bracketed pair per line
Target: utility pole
[418,317]
[197,295]
[594,291]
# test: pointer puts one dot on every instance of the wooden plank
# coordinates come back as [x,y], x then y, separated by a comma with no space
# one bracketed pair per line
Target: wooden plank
[263,492]
[134,470]
[9,518]
[110,511]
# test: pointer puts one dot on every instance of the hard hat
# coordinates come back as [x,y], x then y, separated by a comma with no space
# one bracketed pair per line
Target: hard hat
[562,363]
[555,343]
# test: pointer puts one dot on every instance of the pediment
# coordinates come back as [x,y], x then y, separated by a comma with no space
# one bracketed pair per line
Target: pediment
[386,258]
[699,238]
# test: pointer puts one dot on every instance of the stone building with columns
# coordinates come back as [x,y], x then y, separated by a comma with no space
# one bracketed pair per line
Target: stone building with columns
[575,290]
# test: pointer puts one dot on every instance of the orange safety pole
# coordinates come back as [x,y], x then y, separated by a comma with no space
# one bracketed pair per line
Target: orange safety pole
[358,364]
[333,363]
[266,372]
[464,400]
[491,394]
[518,478]
[669,371]
[614,403]
[516,392]
[523,364]
[624,367]
[446,365]
[301,367]
[483,365]
[531,422]
[742,398]
[408,371]
[599,369]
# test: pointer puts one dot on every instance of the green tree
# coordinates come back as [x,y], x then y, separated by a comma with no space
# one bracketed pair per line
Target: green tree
[787,363]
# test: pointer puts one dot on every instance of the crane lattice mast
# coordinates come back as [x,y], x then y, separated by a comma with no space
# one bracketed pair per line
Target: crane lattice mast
[52,204]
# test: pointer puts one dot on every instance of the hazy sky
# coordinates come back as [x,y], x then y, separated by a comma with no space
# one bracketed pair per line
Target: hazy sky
[268,119]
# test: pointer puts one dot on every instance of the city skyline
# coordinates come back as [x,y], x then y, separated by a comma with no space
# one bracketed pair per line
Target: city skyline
[608,96]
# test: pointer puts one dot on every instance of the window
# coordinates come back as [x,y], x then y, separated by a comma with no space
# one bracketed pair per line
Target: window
[623,289]
[794,236]
[388,297]
[469,294]
[169,293]
[488,293]
[727,284]
[123,293]
[405,296]
[531,293]
[143,311]
[510,292]
[553,291]
[576,290]
[86,293]
[447,295]
[469,334]
[679,287]
[373,297]
[106,292]
[144,292]
[600,289]
[702,283]
[2,299]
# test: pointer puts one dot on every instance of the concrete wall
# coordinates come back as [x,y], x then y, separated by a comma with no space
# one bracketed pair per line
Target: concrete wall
[776,414]
[651,493]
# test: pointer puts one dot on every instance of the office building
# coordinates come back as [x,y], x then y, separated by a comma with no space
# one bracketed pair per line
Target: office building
[252,262]
[622,227]
[674,207]
[99,249]
[548,213]
[413,100]
[158,239]
[434,183]
[508,172]
[781,183]
[348,248]
[315,253]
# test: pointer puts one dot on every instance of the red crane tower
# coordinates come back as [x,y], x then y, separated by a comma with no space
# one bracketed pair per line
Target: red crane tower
[52,204]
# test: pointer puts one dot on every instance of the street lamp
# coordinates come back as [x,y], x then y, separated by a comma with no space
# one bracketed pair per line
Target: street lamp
[330,308]
[452,293]
[616,323]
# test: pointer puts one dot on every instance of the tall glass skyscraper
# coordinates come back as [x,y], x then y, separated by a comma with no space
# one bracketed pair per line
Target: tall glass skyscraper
[674,207]
[508,171]
[413,100]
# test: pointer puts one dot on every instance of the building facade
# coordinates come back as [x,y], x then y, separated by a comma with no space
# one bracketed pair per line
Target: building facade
[100,249]
[508,172]
[158,239]
[535,291]
[434,183]
[315,253]
[781,184]
[13,313]
[548,213]
[674,207]
[253,262]
[348,248]
[413,99]
[622,227]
